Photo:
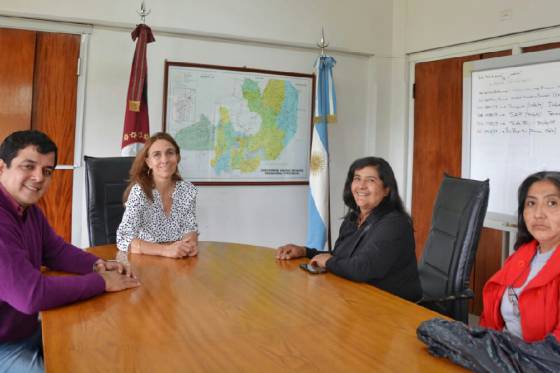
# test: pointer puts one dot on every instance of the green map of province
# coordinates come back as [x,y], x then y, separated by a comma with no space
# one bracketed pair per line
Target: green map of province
[277,108]
[199,136]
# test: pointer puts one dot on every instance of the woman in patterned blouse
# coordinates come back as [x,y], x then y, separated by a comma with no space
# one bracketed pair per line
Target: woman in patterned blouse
[160,210]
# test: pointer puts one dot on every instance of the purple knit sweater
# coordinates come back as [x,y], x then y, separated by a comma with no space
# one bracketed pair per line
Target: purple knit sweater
[26,243]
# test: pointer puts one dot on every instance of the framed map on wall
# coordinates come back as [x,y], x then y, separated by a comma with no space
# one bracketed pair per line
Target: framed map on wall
[239,125]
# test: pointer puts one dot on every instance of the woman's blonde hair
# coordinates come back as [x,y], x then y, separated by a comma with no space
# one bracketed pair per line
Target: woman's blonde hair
[140,173]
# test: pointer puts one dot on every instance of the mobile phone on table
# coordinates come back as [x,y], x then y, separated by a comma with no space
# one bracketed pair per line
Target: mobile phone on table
[312,269]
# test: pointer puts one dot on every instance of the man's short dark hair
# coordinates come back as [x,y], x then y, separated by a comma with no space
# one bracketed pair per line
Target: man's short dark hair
[21,140]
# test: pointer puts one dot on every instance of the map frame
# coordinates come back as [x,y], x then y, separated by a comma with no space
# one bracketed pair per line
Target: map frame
[217,181]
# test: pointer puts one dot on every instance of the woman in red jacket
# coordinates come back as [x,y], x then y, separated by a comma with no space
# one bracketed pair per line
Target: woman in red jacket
[523,297]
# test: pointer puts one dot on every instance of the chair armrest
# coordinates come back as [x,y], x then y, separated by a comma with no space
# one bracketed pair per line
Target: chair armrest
[465,294]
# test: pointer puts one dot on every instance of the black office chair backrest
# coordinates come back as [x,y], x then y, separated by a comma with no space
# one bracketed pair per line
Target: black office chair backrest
[106,180]
[450,249]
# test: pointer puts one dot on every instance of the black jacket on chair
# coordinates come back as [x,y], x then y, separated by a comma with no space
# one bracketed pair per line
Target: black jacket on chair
[380,252]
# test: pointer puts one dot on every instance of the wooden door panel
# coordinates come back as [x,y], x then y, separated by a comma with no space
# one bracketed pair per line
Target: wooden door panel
[54,98]
[54,112]
[487,262]
[17,51]
[437,136]
[57,203]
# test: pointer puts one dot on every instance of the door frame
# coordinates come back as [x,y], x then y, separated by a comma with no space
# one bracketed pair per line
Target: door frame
[85,31]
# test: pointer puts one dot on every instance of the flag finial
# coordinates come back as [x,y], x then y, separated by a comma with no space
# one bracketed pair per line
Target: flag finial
[143,12]
[323,44]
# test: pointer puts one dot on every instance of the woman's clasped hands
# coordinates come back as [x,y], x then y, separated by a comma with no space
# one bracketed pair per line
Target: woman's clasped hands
[185,247]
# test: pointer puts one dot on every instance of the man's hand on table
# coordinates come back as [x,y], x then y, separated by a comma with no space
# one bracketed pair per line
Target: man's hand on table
[116,275]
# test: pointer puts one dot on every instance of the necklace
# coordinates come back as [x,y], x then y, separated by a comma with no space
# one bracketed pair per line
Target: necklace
[513,299]
[512,295]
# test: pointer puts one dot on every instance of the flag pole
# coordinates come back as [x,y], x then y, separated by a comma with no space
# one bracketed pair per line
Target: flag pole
[323,44]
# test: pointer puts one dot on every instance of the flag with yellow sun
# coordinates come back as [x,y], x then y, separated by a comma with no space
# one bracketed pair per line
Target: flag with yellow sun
[325,112]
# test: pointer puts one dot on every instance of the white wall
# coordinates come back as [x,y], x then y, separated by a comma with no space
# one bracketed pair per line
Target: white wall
[267,216]
[358,25]
[390,94]
[439,23]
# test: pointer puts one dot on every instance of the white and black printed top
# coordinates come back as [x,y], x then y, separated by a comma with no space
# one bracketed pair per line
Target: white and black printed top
[147,221]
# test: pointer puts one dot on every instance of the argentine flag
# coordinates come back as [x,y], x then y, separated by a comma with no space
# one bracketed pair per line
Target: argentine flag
[325,112]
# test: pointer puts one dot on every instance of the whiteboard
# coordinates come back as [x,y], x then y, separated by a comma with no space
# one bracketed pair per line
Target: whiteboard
[511,125]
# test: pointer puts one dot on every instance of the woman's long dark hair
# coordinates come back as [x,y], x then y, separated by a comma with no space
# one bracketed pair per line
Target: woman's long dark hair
[523,235]
[139,171]
[391,202]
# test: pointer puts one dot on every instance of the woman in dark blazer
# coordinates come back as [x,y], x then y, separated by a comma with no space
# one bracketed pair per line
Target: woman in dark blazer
[376,240]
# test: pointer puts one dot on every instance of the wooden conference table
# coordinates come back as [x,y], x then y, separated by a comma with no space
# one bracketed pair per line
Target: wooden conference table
[235,308]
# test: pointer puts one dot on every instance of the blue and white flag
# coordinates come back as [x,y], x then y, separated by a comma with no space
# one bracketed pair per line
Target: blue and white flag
[318,224]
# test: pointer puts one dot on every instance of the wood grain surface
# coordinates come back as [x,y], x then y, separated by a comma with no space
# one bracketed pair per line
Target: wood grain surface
[57,203]
[438,109]
[54,112]
[55,90]
[17,51]
[234,308]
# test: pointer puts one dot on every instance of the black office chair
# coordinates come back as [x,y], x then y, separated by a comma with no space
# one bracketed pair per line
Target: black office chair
[450,249]
[106,180]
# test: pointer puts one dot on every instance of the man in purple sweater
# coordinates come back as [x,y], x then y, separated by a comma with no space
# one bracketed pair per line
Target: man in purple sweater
[27,161]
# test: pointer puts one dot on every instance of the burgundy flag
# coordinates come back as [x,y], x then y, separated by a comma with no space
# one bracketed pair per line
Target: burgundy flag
[136,128]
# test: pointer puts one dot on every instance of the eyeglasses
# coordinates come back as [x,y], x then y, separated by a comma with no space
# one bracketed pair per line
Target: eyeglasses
[514,300]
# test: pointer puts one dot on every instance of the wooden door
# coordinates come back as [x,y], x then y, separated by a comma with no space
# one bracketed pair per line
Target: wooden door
[38,70]
[54,112]
[438,105]
[17,51]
